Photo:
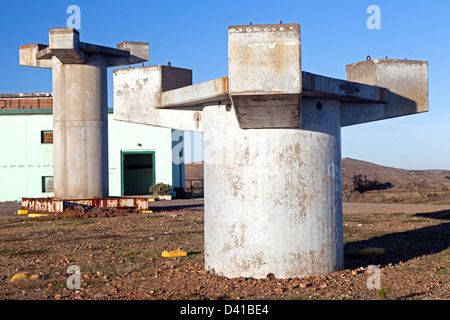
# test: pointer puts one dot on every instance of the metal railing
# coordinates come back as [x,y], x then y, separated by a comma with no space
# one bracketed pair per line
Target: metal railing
[194,186]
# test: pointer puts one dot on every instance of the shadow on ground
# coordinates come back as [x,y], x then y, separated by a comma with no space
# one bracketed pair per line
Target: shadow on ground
[441,215]
[402,246]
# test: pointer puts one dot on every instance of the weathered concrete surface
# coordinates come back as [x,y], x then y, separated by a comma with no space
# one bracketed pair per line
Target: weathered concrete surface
[136,97]
[195,96]
[273,196]
[66,45]
[28,56]
[264,67]
[318,86]
[138,50]
[407,81]
[80,131]
[80,128]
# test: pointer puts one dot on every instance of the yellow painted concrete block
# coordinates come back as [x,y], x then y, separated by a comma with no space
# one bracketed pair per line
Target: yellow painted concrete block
[21,211]
[38,215]
[33,277]
[20,276]
[174,253]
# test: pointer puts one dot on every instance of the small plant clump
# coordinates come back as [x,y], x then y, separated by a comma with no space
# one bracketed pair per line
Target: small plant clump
[160,189]
[384,292]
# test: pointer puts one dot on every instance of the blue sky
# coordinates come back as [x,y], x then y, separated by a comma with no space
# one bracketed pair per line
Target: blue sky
[193,34]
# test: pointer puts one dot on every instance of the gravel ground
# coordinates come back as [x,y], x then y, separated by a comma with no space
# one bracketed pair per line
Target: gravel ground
[119,256]
[9,209]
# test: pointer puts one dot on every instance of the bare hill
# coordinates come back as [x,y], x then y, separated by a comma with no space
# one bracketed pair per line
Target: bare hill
[351,167]
[193,171]
[397,177]
[193,177]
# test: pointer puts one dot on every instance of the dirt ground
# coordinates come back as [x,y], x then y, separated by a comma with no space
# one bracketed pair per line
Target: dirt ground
[119,257]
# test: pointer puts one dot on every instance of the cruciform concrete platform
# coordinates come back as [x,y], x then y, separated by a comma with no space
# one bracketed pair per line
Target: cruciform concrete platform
[80,107]
[272,144]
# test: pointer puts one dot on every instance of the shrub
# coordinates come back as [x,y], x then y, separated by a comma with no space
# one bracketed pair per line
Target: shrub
[181,193]
[384,292]
[427,194]
[380,197]
[160,189]
[362,184]
[415,185]
[347,194]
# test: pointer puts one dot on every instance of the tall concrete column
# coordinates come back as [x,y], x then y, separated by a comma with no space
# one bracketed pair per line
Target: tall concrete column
[80,127]
[80,107]
[273,201]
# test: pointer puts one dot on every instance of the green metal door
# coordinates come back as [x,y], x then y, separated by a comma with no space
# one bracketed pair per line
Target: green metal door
[138,172]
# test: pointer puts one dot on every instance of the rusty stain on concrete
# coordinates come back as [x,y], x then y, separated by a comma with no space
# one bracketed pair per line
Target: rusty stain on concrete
[53,205]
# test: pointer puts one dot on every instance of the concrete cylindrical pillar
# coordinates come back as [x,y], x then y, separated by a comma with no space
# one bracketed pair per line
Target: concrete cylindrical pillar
[80,131]
[273,196]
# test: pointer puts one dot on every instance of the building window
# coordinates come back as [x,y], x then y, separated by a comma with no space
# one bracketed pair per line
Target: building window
[47,136]
[47,184]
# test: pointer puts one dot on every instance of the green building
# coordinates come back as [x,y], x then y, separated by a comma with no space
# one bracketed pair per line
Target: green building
[139,155]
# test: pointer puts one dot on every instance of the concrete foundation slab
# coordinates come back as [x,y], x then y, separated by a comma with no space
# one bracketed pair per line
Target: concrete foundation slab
[53,205]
